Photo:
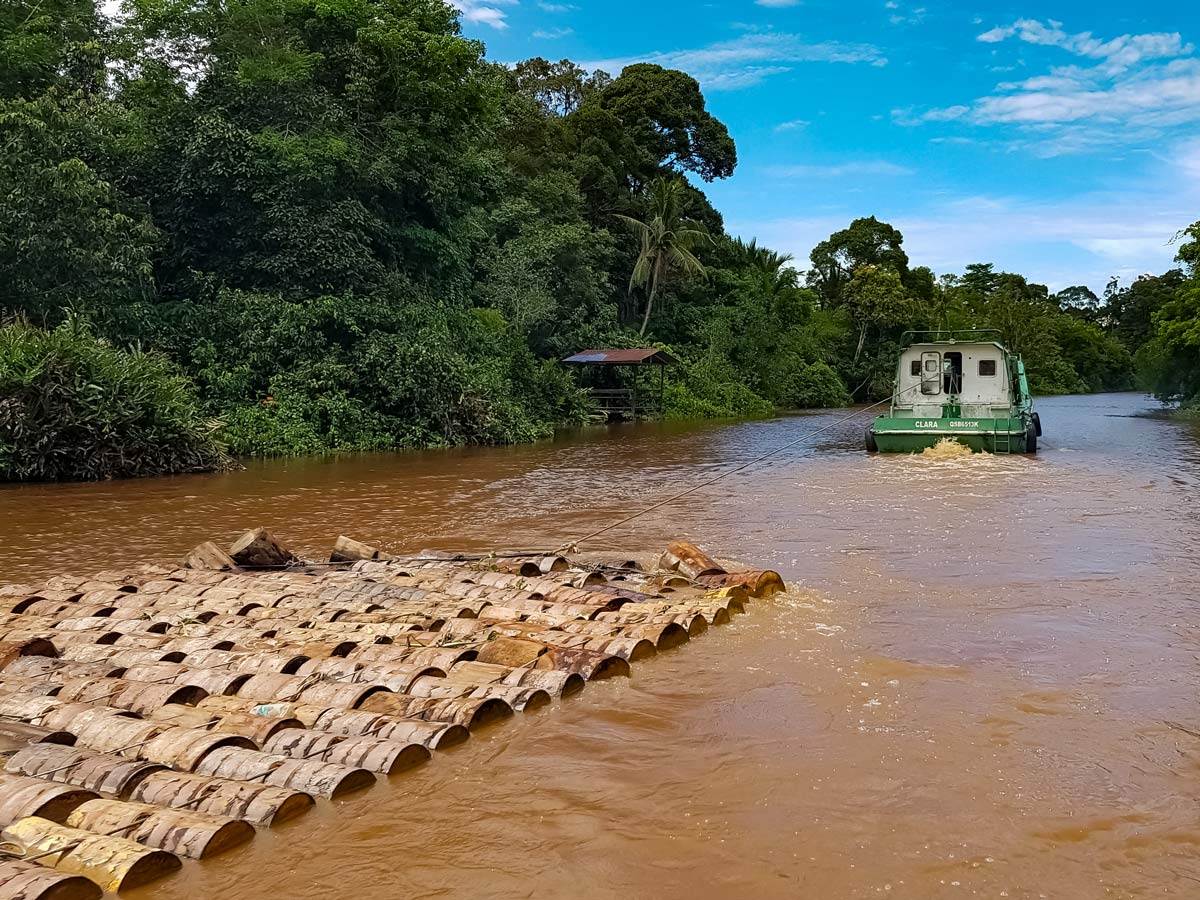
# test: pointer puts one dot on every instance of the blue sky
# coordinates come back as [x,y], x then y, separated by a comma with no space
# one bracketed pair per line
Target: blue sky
[1056,139]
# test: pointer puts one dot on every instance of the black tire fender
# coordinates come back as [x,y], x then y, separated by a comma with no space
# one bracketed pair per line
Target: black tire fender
[872,447]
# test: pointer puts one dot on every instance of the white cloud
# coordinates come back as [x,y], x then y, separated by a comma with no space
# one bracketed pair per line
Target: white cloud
[860,169]
[900,17]
[553,34]
[748,59]
[794,125]
[1117,54]
[777,4]
[484,12]
[1139,86]
[557,7]
[1081,239]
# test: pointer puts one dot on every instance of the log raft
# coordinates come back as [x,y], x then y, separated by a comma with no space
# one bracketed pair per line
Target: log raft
[166,713]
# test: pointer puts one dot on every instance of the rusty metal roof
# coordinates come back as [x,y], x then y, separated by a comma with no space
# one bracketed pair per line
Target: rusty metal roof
[644,357]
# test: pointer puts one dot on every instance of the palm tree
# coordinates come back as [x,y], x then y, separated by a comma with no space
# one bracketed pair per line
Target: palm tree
[668,238]
[773,268]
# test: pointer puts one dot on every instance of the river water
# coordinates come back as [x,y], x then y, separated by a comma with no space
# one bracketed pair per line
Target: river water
[974,690]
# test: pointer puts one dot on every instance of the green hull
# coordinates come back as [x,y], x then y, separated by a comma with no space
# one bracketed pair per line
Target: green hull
[915,435]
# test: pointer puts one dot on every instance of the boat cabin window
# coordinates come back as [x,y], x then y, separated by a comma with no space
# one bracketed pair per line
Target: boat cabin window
[987,368]
[931,373]
[915,368]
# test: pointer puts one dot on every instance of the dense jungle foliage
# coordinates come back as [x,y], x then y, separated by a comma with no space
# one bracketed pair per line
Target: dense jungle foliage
[335,225]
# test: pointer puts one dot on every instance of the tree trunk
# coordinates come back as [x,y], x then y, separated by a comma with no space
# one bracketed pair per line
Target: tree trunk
[649,301]
[862,338]
[257,549]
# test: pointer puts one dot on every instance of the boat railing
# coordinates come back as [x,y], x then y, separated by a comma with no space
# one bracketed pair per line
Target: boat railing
[948,335]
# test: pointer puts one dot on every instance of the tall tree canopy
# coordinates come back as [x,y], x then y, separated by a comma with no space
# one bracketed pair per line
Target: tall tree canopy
[867,242]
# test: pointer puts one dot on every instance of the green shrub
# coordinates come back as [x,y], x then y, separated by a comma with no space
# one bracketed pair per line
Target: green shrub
[74,407]
[386,371]
[711,391]
[810,386]
[1055,376]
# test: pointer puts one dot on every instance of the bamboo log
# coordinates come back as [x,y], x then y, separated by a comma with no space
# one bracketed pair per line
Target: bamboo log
[21,880]
[71,716]
[36,666]
[15,684]
[112,863]
[592,665]
[136,696]
[27,708]
[512,652]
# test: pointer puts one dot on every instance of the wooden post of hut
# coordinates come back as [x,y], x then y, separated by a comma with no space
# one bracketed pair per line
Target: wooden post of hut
[625,402]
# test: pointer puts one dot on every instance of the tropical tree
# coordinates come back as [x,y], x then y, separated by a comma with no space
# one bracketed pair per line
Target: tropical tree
[668,238]
[875,296]
[867,242]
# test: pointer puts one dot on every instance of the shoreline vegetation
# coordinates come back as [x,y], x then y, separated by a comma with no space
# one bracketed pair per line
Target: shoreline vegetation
[254,229]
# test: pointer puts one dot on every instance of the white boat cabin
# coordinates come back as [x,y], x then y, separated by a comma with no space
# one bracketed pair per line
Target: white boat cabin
[975,375]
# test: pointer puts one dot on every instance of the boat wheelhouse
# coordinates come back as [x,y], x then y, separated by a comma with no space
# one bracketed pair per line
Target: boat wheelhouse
[964,385]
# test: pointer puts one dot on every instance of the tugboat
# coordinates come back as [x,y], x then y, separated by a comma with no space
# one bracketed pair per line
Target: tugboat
[963,385]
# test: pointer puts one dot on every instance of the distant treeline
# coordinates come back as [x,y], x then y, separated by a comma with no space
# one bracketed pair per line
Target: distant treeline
[287,228]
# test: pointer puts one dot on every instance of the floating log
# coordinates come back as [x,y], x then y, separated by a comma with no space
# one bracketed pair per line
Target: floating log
[17,736]
[182,749]
[347,549]
[111,862]
[259,804]
[385,757]
[101,772]
[320,779]
[169,679]
[257,549]
[114,734]
[22,796]
[190,834]
[12,650]
[209,556]
[759,584]
[135,696]
[20,880]
[689,560]
[471,713]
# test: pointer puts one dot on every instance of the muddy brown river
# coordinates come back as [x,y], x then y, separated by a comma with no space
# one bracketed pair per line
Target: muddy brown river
[981,687]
